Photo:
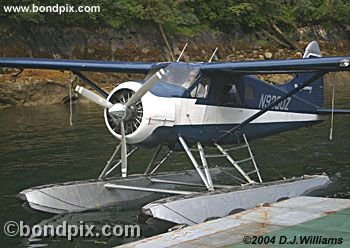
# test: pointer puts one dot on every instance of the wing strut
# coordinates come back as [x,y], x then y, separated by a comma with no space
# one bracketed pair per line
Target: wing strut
[92,84]
[273,104]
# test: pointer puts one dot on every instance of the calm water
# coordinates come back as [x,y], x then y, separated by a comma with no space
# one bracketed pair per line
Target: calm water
[37,146]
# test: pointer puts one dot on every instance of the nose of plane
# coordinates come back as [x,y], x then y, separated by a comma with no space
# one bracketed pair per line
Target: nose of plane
[141,119]
[131,116]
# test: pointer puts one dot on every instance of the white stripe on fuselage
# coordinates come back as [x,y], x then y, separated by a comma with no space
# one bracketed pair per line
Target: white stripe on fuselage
[190,113]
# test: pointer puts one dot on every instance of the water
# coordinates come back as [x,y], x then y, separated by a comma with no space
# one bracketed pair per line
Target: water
[38,146]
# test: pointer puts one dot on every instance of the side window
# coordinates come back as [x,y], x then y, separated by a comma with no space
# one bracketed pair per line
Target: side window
[250,92]
[230,96]
[201,89]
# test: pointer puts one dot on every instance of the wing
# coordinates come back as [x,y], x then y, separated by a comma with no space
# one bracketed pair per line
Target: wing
[326,64]
[78,65]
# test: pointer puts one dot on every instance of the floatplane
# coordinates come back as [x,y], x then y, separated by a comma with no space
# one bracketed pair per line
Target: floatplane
[192,108]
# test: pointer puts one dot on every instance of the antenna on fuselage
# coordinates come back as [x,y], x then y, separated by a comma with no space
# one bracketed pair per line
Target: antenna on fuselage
[212,56]
[183,49]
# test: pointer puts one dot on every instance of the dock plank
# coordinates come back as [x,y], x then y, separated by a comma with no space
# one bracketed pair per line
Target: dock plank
[300,216]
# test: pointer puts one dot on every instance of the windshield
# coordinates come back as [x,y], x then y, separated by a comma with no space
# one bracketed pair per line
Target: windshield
[181,74]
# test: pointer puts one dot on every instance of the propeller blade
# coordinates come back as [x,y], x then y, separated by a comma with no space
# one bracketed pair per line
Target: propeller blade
[145,88]
[93,97]
[123,150]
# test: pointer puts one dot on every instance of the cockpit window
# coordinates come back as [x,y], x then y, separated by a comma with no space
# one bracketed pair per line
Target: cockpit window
[181,74]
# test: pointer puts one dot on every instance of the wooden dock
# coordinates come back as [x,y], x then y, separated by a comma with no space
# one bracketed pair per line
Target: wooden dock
[297,222]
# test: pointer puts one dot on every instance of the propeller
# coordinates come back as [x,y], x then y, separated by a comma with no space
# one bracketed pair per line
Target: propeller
[124,151]
[145,88]
[93,97]
[122,111]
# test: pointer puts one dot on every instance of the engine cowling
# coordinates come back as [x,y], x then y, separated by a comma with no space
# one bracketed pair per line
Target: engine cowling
[145,116]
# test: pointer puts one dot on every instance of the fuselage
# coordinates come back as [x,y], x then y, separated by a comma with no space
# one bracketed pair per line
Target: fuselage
[210,105]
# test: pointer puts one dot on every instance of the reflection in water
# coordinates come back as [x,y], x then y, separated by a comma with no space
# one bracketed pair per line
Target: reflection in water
[38,146]
[96,220]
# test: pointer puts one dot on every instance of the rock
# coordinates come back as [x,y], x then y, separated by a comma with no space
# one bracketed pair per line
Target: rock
[116,45]
[37,89]
[132,30]
[303,33]
[268,55]
[298,54]
[145,50]
[56,56]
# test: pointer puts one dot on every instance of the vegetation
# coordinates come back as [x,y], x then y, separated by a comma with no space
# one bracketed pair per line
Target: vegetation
[189,16]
